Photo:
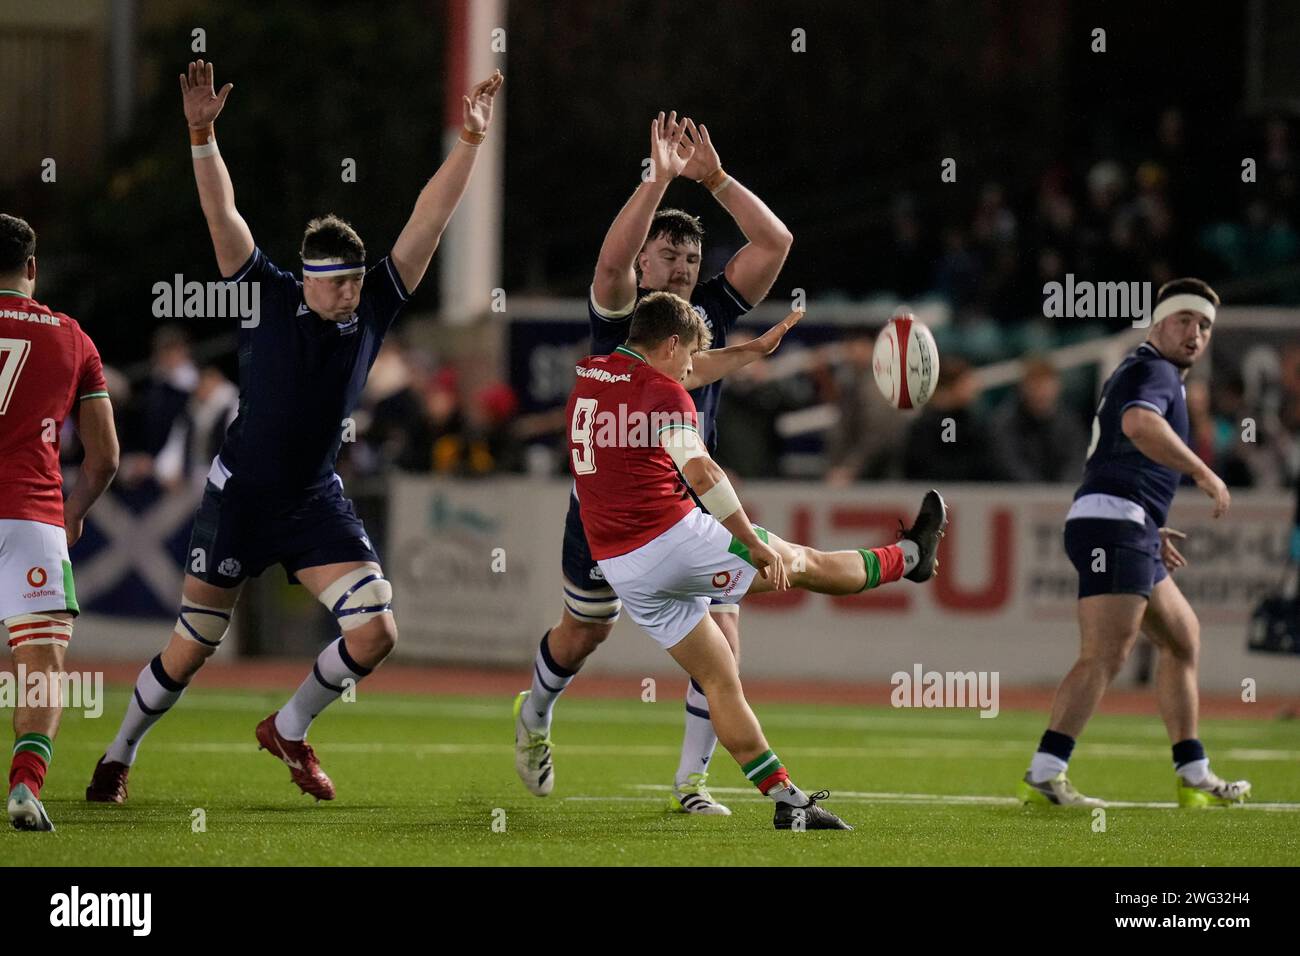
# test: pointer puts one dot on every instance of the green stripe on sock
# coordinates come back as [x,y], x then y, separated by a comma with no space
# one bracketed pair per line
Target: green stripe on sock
[70,588]
[741,550]
[873,568]
[764,765]
[38,744]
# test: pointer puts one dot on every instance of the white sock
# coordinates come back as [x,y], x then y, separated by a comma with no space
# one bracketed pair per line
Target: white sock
[1045,766]
[911,554]
[699,741]
[155,693]
[549,681]
[324,685]
[788,793]
[1194,772]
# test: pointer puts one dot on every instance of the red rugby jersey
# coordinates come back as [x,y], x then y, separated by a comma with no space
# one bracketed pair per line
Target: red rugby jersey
[628,487]
[47,365]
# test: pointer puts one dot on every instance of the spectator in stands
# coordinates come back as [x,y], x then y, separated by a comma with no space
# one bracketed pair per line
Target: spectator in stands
[394,413]
[1229,409]
[866,439]
[1034,438]
[491,440]
[950,440]
[162,400]
[197,434]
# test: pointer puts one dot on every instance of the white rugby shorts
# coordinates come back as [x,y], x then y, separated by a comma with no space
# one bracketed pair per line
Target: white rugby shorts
[35,574]
[667,583]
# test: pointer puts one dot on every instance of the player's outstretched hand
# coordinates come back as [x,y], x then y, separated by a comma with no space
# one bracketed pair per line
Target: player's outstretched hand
[669,152]
[769,564]
[766,343]
[1213,486]
[478,103]
[1172,559]
[202,104]
[705,159]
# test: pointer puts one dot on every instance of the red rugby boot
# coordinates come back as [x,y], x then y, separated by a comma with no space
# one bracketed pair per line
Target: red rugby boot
[304,768]
[108,782]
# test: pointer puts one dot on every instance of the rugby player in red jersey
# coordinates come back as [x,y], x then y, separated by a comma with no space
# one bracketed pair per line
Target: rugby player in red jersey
[651,249]
[634,451]
[49,369]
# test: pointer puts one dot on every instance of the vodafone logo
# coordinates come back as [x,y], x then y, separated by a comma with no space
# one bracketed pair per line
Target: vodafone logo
[722,579]
[36,577]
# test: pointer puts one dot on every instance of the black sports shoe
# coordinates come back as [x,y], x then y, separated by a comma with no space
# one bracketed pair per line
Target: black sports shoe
[811,817]
[926,531]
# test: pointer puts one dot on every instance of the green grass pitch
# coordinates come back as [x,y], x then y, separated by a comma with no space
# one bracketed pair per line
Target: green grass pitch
[422,780]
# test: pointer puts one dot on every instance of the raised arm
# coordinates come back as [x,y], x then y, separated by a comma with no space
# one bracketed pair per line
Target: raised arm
[94,421]
[755,267]
[231,239]
[708,367]
[442,194]
[614,284]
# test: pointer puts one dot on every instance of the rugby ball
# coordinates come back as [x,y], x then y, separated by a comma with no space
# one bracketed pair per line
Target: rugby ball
[906,362]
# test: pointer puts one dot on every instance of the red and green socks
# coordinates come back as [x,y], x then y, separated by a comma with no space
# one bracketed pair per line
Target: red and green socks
[768,774]
[32,755]
[888,563]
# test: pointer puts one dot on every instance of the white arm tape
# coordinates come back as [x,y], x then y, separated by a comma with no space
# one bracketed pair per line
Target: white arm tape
[682,442]
[207,149]
[721,500]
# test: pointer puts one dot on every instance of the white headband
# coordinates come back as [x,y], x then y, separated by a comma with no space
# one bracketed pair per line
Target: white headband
[335,266]
[1184,302]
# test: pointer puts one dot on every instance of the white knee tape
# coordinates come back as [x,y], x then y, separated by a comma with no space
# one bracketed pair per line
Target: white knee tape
[33,630]
[600,606]
[202,624]
[357,597]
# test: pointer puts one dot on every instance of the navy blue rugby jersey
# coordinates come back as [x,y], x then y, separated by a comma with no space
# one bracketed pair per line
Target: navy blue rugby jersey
[300,376]
[718,303]
[1115,466]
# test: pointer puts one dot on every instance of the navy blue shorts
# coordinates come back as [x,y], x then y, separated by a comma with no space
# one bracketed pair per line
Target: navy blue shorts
[1124,554]
[580,567]
[238,534]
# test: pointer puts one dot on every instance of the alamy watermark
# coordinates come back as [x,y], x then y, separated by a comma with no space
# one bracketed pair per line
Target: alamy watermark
[1098,300]
[74,908]
[960,689]
[77,690]
[622,427]
[179,299]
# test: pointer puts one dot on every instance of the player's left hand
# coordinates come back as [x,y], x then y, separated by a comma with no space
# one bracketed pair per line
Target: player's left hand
[478,103]
[769,564]
[766,343]
[705,158]
[1172,559]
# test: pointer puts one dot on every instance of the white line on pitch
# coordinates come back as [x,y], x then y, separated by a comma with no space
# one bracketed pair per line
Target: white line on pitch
[865,796]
